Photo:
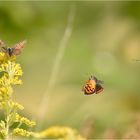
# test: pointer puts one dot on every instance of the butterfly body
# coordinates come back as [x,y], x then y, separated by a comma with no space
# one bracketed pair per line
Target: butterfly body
[93,86]
[10,51]
[15,50]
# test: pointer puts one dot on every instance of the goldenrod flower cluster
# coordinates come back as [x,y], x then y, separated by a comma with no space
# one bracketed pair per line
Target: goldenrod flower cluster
[22,132]
[24,120]
[59,133]
[10,73]
[17,105]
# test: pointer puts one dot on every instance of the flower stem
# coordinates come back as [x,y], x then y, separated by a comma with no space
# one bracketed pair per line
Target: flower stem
[7,120]
[7,128]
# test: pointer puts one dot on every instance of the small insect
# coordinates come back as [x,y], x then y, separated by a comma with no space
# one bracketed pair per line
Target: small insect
[15,50]
[93,85]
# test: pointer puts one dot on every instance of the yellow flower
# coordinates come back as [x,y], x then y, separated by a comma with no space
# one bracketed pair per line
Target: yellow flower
[17,105]
[22,132]
[4,57]
[59,133]
[12,71]
[24,120]
[5,92]
[15,81]
[11,68]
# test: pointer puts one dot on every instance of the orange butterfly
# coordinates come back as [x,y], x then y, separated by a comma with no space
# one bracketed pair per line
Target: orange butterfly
[15,50]
[93,85]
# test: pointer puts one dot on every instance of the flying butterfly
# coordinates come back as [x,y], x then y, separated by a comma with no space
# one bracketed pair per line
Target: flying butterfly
[93,86]
[15,50]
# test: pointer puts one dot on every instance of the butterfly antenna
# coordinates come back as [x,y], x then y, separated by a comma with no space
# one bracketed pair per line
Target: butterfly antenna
[95,78]
[91,77]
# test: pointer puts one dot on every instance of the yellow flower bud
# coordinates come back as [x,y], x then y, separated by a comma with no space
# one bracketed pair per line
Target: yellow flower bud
[22,132]
[24,120]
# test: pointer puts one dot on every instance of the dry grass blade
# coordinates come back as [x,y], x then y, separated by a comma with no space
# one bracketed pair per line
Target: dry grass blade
[57,64]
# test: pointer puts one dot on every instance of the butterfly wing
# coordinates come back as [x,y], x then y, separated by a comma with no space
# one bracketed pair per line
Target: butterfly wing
[4,49]
[2,46]
[18,47]
[88,91]
[2,43]
[99,88]
[98,81]
[89,87]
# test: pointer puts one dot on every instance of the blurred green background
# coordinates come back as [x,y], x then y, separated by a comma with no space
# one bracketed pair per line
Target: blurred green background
[105,42]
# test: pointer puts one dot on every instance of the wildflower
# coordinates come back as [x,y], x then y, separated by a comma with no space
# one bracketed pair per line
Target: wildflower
[22,132]
[56,131]
[24,120]
[2,129]
[11,68]
[4,58]
[59,132]
[17,105]
[5,93]
[10,72]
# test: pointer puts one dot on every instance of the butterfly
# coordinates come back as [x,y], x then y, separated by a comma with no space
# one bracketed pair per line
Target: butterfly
[93,85]
[15,50]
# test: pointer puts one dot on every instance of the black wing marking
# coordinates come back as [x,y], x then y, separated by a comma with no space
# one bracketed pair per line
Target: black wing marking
[99,88]
[98,81]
